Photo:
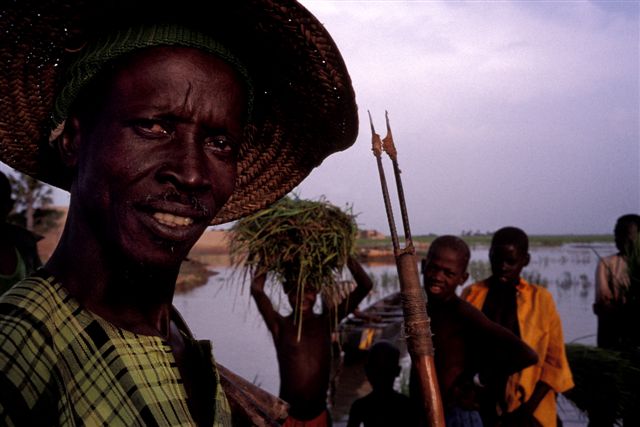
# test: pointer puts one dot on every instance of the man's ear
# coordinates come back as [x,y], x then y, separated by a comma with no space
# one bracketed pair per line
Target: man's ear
[69,144]
[527,259]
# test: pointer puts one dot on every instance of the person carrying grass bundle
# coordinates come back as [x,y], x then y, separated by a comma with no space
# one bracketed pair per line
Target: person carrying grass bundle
[303,344]
[303,244]
[161,118]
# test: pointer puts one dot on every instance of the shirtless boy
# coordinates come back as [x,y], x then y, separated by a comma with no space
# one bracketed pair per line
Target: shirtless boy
[305,363]
[468,347]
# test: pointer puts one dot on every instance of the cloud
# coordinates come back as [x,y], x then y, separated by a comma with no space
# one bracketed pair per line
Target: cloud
[494,106]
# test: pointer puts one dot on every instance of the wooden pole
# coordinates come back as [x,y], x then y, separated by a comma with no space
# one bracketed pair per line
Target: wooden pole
[416,320]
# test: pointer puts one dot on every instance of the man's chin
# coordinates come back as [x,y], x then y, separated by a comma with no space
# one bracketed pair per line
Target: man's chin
[158,255]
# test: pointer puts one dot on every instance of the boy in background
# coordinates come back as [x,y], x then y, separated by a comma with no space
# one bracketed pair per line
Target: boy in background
[470,350]
[383,406]
[529,312]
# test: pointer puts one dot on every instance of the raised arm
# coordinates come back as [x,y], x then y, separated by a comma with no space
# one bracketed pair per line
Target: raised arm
[364,286]
[504,353]
[270,316]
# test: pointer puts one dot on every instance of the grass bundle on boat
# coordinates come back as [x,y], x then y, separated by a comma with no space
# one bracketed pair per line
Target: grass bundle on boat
[606,382]
[303,242]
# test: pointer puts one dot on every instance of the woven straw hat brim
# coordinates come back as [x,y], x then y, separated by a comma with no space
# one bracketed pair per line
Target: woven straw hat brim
[304,107]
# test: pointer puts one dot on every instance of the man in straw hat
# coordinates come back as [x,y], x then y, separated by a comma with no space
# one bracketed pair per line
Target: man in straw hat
[160,118]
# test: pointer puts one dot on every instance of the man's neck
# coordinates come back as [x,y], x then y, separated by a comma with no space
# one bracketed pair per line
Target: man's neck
[134,297]
[503,285]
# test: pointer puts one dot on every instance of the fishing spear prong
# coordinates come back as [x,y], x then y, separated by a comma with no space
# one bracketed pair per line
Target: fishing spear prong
[387,141]
[386,116]
[390,149]
[376,147]
[373,130]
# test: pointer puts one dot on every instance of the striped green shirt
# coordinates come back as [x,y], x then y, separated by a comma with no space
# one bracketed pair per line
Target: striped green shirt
[62,365]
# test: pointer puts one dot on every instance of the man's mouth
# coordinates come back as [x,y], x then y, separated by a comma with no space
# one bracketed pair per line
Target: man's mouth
[171,220]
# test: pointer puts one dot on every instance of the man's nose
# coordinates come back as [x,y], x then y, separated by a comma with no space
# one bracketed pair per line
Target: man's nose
[187,166]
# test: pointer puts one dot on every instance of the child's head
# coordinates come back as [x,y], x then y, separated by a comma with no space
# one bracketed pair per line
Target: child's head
[508,255]
[305,302]
[383,365]
[626,231]
[445,267]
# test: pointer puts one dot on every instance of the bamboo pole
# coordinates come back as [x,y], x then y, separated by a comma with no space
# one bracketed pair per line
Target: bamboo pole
[416,320]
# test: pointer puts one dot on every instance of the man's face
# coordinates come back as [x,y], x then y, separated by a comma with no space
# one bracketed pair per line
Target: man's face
[442,272]
[160,160]
[507,262]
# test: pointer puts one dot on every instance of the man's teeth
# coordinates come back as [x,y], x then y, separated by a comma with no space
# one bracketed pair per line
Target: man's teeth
[172,220]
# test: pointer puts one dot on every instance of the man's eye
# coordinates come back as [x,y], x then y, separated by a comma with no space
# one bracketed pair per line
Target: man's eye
[151,128]
[220,144]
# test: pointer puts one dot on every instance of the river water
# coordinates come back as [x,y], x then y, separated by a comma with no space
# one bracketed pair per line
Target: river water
[223,311]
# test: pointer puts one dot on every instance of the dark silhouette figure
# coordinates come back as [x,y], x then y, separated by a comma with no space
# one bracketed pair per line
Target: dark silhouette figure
[384,406]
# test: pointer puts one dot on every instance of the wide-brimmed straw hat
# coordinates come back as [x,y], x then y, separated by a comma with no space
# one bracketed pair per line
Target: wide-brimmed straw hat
[303,109]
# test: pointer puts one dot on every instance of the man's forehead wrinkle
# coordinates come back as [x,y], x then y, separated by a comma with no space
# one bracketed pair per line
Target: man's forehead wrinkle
[187,97]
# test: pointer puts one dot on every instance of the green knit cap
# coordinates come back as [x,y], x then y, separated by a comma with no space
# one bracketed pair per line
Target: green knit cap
[122,42]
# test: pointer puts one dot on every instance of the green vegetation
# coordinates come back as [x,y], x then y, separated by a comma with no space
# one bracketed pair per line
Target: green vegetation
[303,242]
[32,200]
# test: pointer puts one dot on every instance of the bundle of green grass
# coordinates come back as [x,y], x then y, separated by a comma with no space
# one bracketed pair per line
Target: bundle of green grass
[304,243]
[606,382]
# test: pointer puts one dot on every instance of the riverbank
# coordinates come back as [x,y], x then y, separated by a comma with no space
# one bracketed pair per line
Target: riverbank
[212,247]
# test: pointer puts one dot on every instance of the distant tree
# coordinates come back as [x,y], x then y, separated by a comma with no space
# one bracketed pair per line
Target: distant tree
[32,198]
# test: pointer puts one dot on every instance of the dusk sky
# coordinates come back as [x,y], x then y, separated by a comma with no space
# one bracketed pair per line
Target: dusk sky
[518,113]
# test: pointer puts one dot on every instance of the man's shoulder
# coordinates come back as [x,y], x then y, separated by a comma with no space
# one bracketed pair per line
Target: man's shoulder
[538,299]
[466,309]
[32,294]
[33,310]
[534,289]
[27,317]
[609,259]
